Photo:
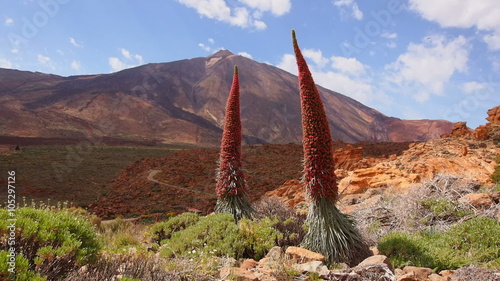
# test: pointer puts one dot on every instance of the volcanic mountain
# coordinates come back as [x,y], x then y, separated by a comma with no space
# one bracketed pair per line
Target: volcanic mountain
[184,102]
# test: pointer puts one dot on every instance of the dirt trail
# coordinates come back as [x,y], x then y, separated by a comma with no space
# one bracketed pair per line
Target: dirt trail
[153,173]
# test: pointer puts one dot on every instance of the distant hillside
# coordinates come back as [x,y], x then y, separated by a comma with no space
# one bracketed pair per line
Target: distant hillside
[184,102]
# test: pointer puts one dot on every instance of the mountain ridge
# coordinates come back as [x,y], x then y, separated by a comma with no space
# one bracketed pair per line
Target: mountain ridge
[184,102]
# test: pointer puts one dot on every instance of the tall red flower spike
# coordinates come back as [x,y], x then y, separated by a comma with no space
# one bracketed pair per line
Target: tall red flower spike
[330,232]
[231,188]
[317,141]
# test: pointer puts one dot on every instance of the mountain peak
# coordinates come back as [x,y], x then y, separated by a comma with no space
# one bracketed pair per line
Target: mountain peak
[221,53]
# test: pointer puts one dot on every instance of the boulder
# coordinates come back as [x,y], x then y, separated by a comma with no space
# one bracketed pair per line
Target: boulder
[478,200]
[317,267]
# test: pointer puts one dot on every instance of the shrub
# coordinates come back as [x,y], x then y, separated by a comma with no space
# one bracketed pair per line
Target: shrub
[52,241]
[288,222]
[472,242]
[21,266]
[119,235]
[163,230]
[219,235]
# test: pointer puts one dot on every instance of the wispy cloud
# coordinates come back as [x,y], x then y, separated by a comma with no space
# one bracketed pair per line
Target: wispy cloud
[76,65]
[351,6]
[4,63]
[245,54]
[128,60]
[473,86]
[9,21]
[74,43]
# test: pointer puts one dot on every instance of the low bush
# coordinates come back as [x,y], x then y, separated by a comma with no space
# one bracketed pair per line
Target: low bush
[495,177]
[472,242]
[288,222]
[119,235]
[52,241]
[219,235]
[163,230]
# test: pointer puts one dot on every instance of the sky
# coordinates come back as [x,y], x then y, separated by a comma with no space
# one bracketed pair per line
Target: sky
[411,59]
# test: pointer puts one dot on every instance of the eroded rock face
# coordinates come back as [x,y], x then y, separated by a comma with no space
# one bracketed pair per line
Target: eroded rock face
[459,129]
[494,115]
[481,132]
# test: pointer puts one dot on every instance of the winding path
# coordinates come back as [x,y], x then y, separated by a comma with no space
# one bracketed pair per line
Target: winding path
[153,173]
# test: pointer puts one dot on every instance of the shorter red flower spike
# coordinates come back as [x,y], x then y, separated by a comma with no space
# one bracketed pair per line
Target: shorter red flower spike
[230,176]
[319,176]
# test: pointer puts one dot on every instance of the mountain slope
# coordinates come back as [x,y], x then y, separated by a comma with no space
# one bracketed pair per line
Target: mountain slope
[183,102]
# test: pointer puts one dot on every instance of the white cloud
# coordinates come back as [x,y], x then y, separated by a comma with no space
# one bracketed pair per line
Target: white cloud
[276,7]
[288,63]
[129,60]
[9,21]
[245,54]
[43,59]
[4,63]
[316,56]
[76,65]
[259,24]
[429,66]
[465,14]
[74,43]
[211,40]
[493,41]
[389,35]
[354,87]
[125,53]
[391,45]
[246,15]
[348,65]
[471,87]
[204,47]
[349,4]
[14,51]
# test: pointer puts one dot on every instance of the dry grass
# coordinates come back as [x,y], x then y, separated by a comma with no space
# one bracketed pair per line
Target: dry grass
[432,206]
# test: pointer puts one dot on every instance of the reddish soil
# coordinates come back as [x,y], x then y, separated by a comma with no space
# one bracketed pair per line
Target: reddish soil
[266,166]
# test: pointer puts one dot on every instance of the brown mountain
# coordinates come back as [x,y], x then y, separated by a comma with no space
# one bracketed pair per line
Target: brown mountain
[184,102]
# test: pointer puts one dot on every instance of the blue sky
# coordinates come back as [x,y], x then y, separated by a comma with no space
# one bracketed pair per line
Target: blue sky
[411,59]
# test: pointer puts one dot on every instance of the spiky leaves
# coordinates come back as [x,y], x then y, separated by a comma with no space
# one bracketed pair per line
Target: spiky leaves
[230,188]
[331,232]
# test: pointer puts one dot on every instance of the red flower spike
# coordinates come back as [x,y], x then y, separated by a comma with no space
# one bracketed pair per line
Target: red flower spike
[319,176]
[230,178]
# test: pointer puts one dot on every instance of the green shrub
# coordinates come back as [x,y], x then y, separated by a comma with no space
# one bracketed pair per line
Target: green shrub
[219,235]
[472,242]
[443,209]
[21,268]
[119,235]
[163,230]
[52,241]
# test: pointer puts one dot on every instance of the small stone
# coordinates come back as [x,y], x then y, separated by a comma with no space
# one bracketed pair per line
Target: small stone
[419,272]
[236,273]
[276,253]
[408,277]
[436,277]
[301,255]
